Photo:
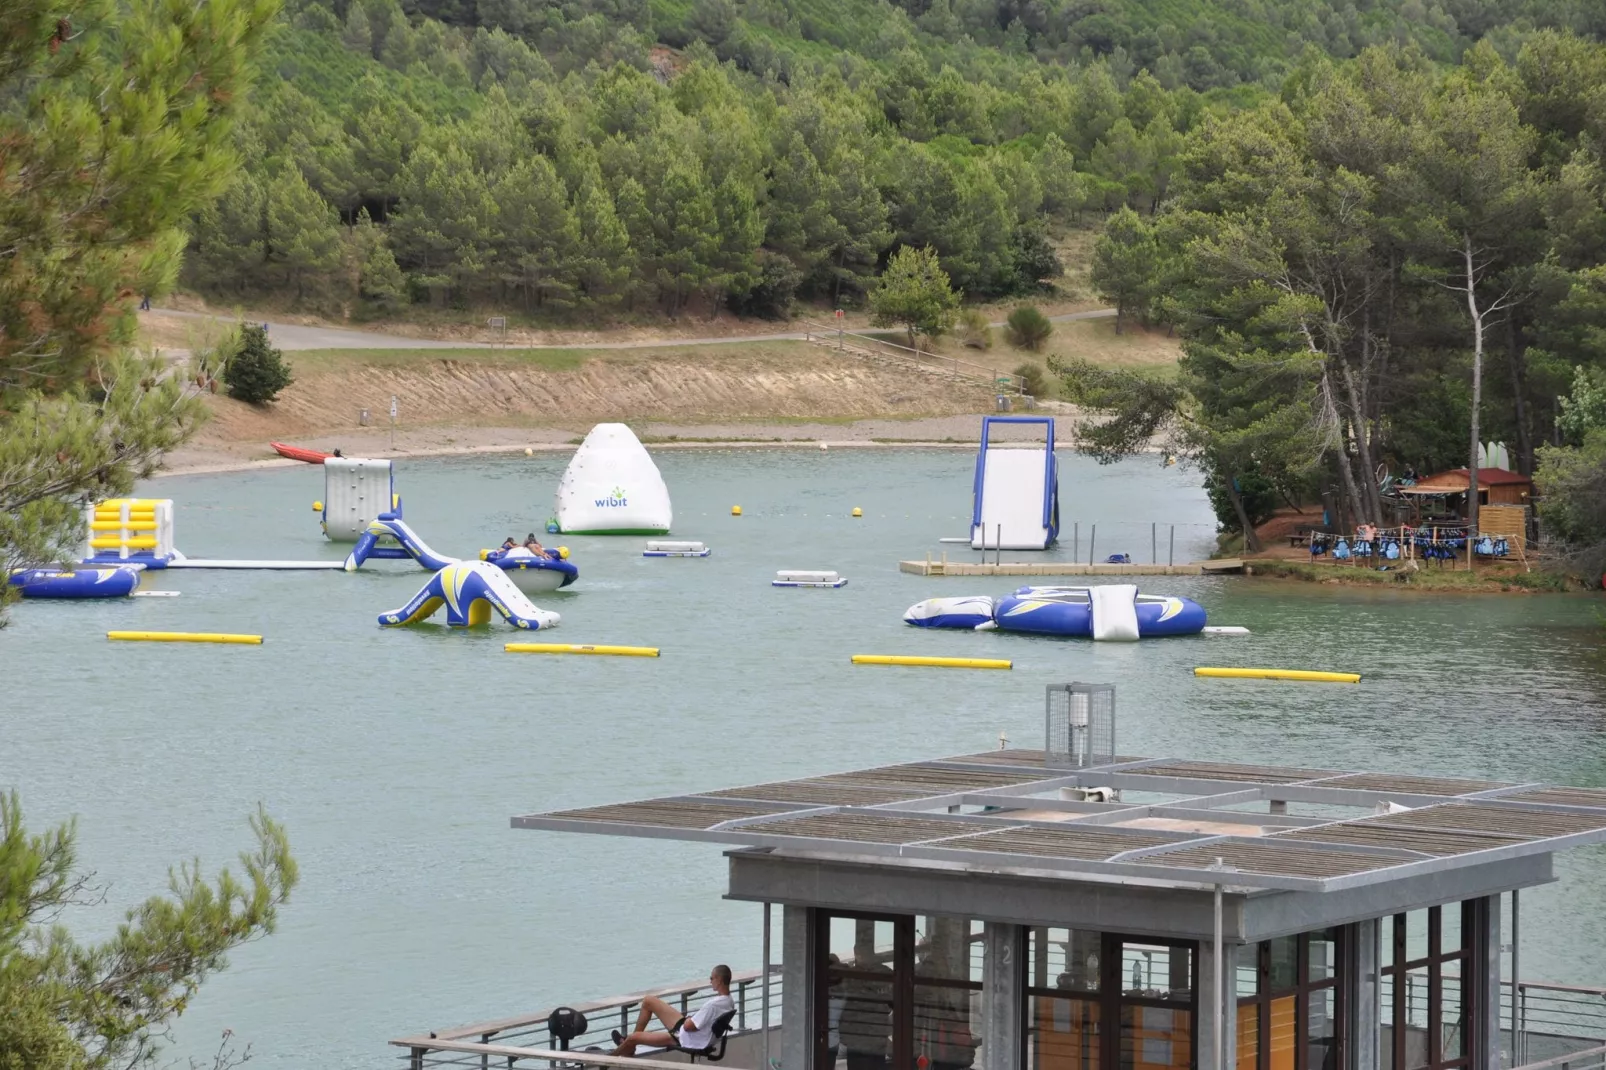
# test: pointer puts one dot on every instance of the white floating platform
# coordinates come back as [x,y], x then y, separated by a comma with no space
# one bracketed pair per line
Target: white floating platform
[285,566]
[155,594]
[807,578]
[672,548]
[1225,629]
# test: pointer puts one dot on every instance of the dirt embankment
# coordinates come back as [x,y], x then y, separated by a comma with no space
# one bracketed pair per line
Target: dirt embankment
[465,401]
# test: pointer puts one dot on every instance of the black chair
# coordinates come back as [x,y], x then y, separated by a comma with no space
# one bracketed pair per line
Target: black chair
[716,1047]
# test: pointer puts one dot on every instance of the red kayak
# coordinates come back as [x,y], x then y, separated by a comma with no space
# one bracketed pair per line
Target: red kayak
[299,453]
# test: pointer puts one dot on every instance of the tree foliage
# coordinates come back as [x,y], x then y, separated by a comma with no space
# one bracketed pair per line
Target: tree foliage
[1375,270]
[255,371]
[116,125]
[74,1005]
[1027,327]
[913,293]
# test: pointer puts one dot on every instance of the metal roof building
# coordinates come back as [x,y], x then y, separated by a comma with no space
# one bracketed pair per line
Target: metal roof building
[994,911]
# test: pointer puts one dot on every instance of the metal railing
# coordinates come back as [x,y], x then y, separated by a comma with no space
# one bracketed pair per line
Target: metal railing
[846,339]
[526,1037]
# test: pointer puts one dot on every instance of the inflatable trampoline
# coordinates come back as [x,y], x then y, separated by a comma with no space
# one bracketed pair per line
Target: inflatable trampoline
[534,573]
[1114,611]
[118,582]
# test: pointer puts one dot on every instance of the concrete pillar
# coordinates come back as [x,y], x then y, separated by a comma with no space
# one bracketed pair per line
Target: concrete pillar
[797,988]
[1484,972]
[1003,994]
[1205,1007]
[1279,806]
[1362,984]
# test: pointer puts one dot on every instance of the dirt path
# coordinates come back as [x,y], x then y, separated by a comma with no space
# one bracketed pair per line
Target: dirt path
[289,336]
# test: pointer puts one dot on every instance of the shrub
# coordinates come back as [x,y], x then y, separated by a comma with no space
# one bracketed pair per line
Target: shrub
[1028,328]
[974,330]
[256,372]
[1032,379]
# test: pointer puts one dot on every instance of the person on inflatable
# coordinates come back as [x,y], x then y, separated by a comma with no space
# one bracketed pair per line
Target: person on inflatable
[508,544]
[532,544]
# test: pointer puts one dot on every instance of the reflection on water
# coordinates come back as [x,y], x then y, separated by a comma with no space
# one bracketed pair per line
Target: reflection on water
[396,757]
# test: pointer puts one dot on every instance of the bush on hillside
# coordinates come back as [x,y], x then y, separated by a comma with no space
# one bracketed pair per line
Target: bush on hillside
[974,330]
[1027,328]
[1032,380]
[256,372]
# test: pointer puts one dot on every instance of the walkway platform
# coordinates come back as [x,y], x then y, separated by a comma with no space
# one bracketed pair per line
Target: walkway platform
[944,567]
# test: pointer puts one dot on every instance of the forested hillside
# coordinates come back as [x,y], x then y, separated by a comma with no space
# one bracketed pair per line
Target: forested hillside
[608,157]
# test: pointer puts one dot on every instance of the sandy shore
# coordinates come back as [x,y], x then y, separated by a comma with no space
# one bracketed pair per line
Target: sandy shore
[959,432]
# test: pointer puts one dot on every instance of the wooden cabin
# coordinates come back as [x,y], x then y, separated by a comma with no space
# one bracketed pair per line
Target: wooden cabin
[1496,486]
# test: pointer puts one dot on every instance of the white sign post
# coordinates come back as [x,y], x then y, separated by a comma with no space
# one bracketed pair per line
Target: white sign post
[393,421]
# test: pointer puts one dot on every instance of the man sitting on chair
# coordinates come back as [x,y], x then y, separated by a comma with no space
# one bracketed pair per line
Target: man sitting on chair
[689,1032]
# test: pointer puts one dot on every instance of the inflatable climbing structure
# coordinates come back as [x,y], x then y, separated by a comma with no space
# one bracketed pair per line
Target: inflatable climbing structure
[612,487]
[1114,611]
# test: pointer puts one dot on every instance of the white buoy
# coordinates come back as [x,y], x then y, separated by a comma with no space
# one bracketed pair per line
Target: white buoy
[1225,629]
[823,446]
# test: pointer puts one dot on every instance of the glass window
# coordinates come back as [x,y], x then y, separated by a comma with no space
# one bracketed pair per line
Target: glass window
[949,949]
[1157,971]
[1321,955]
[862,943]
[1284,969]
[1156,1038]
[1063,1035]
[1065,959]
[943,1017]
[1452,1020]
[1321,1030]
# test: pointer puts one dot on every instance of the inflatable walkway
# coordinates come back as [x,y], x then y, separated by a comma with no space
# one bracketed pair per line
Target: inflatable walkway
[611,487]
[1015,500]
[1114,611]
[408,545]
[470,591]
[118,582]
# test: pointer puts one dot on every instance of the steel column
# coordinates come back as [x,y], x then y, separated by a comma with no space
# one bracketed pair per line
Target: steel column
[1483,972]
[1003,992]
[1361,980]
[797,988]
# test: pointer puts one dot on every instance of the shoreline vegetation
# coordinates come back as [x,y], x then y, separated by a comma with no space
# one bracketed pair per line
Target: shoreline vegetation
[1493,579]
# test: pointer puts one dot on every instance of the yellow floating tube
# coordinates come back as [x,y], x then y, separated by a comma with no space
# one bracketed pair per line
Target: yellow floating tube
[582,648]
[1281,674]
[944,663]
[138,542]
[118,525]
[185,637]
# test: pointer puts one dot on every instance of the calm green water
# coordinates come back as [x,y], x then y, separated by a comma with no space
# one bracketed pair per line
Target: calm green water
[396,757]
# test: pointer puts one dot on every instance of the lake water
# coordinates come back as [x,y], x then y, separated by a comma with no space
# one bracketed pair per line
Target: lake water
[396,757]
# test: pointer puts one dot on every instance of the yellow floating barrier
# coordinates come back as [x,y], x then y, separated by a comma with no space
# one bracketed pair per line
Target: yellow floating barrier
[185,637]
[1281,674]
[582,648]
[943,663]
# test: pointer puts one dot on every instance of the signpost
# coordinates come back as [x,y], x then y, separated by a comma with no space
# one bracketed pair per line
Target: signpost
[839,328]
[499,323]
[393,421]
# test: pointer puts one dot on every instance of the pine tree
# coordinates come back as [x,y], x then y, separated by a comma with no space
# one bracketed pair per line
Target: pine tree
[117,129]
[914,294]
[256,371]
[604,259]
[303,230]
[1126,262]
[70,1005]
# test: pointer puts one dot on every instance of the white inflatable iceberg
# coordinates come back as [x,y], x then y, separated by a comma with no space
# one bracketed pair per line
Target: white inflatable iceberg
[611,487]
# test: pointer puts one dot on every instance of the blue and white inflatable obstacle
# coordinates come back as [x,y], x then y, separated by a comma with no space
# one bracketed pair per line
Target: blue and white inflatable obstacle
[119,582]
[673,548]
[792,577]
[389,538]
[470,591]
[1114,611]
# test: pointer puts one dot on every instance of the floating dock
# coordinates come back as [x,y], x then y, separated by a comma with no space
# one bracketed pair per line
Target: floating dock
[944,567]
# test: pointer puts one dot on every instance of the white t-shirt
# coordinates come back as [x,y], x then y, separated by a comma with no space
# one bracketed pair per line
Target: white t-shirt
[697,1033]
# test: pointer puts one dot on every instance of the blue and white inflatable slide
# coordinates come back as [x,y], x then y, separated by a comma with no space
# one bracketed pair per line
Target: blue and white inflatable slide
[1015,501]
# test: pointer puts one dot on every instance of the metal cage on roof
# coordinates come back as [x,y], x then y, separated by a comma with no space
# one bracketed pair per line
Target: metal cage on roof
[1080,725]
